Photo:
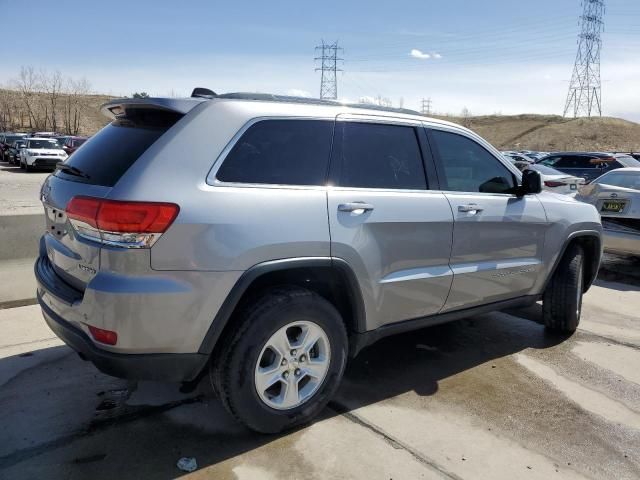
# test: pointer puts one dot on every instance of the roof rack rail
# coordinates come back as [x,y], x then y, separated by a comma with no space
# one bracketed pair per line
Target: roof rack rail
[269,97]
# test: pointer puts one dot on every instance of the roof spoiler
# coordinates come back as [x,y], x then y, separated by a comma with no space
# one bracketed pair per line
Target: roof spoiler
[118,108]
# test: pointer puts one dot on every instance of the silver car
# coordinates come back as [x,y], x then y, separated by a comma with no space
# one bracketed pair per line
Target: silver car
[264,240]
[616,195]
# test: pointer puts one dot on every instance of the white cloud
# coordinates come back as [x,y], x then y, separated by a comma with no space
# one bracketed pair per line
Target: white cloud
[296,92]
[437,55]
[415,53]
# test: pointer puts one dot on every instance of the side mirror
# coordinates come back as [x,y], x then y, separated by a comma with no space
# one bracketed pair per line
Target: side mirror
[531,182]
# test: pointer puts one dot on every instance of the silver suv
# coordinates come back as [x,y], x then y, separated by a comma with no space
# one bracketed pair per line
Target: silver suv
[265,239]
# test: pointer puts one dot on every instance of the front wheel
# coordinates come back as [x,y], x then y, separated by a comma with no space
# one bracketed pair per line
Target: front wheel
[283,362]
[562,299]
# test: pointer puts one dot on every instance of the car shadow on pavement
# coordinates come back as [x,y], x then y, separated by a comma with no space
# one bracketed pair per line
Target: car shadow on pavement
[62,418]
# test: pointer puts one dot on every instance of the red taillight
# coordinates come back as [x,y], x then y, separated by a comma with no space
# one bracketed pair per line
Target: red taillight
[118,223]
[103,336]
[136,217]
[123,217]
[84,209]
[550,183]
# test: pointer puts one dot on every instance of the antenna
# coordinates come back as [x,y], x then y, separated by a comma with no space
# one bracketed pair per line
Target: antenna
[328,68]
[585,92]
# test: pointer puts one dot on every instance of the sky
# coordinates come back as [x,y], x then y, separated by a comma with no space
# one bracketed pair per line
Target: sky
[490,56]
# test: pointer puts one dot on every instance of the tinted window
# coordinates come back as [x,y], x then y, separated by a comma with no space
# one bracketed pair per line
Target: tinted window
[117,146]
[468,167]
[280,152]
[368,155]
[574,161]
[78,141]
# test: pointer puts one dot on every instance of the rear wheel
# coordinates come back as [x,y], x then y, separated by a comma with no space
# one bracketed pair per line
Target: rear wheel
[283,362]
[562,300]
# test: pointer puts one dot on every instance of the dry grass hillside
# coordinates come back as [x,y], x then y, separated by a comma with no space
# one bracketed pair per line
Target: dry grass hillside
[518,132]
[554,133]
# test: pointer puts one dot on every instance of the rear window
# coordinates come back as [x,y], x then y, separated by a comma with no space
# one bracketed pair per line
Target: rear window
[115,148]
[280,152]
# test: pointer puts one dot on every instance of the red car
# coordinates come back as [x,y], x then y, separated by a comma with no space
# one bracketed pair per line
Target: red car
[71,144]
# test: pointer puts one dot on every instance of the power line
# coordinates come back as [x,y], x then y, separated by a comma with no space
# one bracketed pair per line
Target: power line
[584,95]
[328,69]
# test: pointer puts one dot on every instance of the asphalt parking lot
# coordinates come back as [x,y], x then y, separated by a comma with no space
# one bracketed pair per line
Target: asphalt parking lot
[487,397]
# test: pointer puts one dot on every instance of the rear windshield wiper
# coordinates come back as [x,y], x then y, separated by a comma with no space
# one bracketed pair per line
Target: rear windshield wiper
[70,169]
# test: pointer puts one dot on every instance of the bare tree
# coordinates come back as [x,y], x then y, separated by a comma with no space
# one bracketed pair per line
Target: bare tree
[466,117]
[75,104]
[28,84]
[53,85]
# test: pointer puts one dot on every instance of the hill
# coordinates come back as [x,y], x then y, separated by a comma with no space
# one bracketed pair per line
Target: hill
[553,133]
[506,132]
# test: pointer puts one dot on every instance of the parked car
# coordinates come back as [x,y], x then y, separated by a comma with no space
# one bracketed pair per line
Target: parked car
[616,195]
[557,181]
[588,165]
[41,153]
[247,263]
[71,144]
[6,139]
[13,157]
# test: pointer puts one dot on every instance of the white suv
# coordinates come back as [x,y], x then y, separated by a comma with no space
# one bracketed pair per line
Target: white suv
[41,152]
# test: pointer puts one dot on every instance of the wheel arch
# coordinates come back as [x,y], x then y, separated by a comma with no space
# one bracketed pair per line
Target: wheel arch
[591,243]
[332,278]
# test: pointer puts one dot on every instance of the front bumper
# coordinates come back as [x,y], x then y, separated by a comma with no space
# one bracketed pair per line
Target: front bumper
[179,367]
[621,242]
[43,162]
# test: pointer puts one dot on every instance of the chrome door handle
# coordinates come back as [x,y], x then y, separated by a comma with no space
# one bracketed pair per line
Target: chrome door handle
[355,207]
[472,207]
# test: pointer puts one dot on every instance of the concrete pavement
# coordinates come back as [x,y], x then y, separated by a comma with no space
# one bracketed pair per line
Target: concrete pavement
[487,397]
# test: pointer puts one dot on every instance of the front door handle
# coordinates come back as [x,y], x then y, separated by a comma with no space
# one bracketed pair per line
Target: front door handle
[355,207]
[471,207]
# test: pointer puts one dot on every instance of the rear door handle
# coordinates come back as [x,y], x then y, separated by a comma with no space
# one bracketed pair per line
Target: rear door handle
[471,207]
[355,207]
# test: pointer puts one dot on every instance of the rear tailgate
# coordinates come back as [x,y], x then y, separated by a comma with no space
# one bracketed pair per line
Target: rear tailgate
[92,171]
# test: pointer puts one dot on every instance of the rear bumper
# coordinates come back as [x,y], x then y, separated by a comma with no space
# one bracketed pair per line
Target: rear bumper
[173,367]
[621,242]
[178,367]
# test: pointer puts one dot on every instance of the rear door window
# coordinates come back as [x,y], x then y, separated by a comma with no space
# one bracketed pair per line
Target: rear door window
[280,152]
[368,155]
[115,148]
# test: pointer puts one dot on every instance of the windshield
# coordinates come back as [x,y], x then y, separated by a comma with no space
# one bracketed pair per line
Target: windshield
[50,144]
[621,179]
[12,138]
[545,170]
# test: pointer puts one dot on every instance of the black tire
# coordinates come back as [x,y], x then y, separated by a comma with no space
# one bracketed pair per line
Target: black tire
[562,300]
[27,167]
[22,165]
[233,366]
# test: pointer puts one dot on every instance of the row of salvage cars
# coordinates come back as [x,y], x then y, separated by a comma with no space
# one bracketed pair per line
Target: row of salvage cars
[609,181]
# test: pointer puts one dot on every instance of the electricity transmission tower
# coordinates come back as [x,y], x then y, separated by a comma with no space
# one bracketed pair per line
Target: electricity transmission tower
[425,107]
[328,68]
[584,97]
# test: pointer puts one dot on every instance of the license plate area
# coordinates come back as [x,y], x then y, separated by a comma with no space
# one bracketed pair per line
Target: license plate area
[573,186]
[613,206]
